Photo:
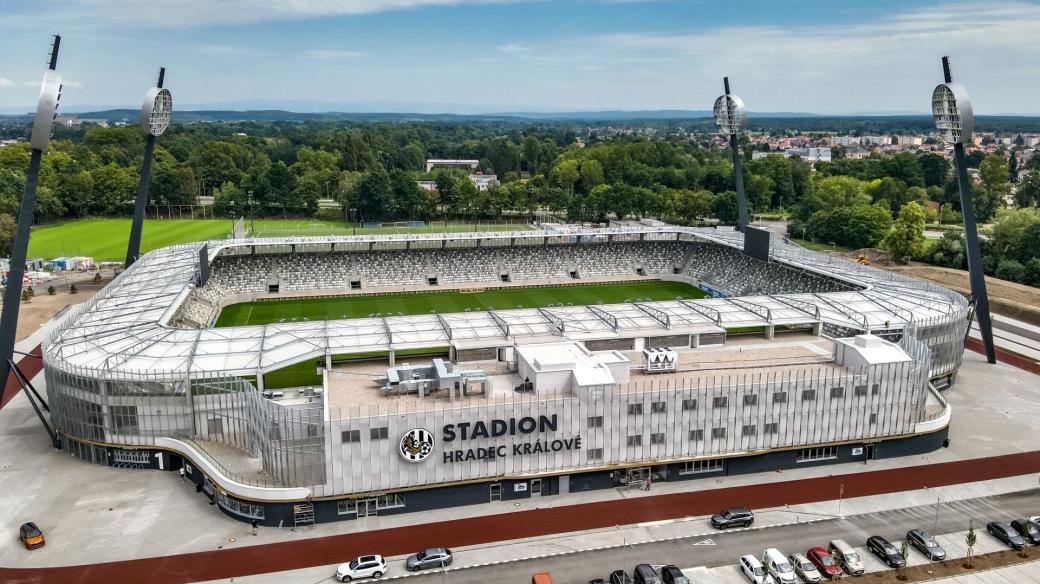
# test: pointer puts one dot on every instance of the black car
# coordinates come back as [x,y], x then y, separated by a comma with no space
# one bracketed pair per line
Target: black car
[597,581]
[925,544]
[1006,534]
[735,517]
[620,577]
[644,574]
[672,575]
[1029,530]
[885,551]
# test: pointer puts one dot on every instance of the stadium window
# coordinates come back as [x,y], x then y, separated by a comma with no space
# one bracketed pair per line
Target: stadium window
[720,402]
[350,436]
[676,270]
[272,288]
[355,284]
[837,392]
[640,271]
[873,419]
[346,507]
[779,397]
[860,391]
[749,430]
[504,277]
[657,438]
[808,395]
[574,274]
[875,389]
[658,407]
[595,453]
[432,281]
[635,409]
[390,501]
[595,422]
[378,433]
[751,400]
[771,428]
[689,405]
[718,432]
[636,440]
[696,435]
[816,454]
[702,466]
[123,417]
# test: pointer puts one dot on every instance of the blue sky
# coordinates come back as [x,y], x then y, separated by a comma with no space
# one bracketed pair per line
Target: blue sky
[822,56]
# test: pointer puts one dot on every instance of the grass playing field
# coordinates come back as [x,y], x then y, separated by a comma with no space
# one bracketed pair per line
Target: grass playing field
[499,298]
[105,239]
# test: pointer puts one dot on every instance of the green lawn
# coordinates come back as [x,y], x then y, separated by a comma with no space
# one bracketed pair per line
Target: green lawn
[277,227]
[362,306]
[106,239]
[817,246]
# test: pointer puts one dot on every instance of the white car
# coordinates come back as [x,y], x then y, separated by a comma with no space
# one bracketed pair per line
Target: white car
[753,570]
[363,567]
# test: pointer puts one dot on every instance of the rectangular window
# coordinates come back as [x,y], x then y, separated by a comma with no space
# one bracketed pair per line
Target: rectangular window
[123,417]
[689,404]
[751,400]
[749,430]
[350,436]
[635,409]
[636,440]
[390,501]
[815,454]
[808,395]
[595,422]
[658,407]
[720,402]
[379,433]
[595,453]
[718,432]
[702,466]
[657,438]
[873,419]
[696,435]
[771,428]
[346,507]
[837,392]
[242,508]
[355,284]
[875,389]
[860,391]
[779,397]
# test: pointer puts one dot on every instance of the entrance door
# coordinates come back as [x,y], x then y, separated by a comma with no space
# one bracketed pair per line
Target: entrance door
[870,452]
[496,492]
[366,507]
[536,487]
[638,478]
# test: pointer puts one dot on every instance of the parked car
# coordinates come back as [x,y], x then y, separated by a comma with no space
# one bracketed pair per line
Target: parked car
[778,567]
[597,581]
[885,551]
[673,575]
[31,536]
[644,574]
[542,578]
[363,567]
[753,570]
[735,517]
[1006,534]
[620,577]
[429,558]
[805,569]
[824,562]
[846,556]
[925,544]
[1028,530]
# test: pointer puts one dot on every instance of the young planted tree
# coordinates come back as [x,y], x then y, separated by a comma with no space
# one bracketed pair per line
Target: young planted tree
[73,289]
[51,290]
[970,540]
[904,552]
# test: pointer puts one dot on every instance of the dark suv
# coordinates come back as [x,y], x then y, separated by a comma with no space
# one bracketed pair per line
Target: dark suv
[673,575]
[885,551]
[1029,530]
[925,544]
[1006,534]
[735,517]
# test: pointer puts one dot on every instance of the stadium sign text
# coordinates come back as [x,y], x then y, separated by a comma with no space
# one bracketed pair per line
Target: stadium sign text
[497,428]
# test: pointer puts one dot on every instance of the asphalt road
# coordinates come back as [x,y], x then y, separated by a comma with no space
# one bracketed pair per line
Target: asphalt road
[579,568]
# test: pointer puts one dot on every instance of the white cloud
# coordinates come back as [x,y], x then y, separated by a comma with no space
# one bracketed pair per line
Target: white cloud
[5,82]
[333,54]
[514,48]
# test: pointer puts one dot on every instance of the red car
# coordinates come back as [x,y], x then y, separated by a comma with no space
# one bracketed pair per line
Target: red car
[824,562]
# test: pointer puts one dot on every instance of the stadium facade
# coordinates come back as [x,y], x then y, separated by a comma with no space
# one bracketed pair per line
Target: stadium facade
[138,377]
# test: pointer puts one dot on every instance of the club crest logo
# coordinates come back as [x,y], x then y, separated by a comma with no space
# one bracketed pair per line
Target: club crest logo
[416,445]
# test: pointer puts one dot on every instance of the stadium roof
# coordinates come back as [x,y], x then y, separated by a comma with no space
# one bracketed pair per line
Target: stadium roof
[122,331]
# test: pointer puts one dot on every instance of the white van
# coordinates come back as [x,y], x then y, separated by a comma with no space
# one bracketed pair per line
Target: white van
[753,570]
[779,566]
[847,557]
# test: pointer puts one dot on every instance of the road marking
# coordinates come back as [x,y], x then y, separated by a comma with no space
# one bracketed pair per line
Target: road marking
[705,542]
[653,523]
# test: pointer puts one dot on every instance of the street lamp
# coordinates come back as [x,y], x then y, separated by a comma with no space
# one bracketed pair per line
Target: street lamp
[935,524]
[155,118]
[955,121]
[731,118]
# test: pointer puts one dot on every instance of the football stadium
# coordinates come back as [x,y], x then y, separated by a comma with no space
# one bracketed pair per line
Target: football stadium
[299,380]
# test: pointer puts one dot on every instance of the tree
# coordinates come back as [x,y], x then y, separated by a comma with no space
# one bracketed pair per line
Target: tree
[725,207]
[73,289]
[51,291]
[374,195]
[993,171]
[934,169]
[970,539]
[692,205]
[1028,192]
[7,229]
[591,175]
[857,226]
[904,552]
[833,192]
[564,174]
[906,239]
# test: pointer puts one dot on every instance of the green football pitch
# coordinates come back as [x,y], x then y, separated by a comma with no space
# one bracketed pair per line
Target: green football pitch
[333,308]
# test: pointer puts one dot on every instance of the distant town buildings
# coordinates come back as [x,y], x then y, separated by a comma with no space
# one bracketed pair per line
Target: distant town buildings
[483,182]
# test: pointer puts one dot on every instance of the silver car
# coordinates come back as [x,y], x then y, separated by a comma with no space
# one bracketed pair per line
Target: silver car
[805,569]
[430,558]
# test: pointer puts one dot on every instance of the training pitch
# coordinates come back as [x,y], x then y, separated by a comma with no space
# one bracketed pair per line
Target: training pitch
[341,307]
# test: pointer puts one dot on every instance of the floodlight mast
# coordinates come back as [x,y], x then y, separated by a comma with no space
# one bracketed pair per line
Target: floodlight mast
[46,111]
[731,121]
[954,117]
[155,117]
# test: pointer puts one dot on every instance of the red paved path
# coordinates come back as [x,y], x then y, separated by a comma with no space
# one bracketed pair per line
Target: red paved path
[30,366]
[221,564]
[1003,356]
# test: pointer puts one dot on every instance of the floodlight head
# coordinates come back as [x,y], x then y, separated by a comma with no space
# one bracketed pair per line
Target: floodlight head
[46,110]
[952,111]
[730,114]
[156,111]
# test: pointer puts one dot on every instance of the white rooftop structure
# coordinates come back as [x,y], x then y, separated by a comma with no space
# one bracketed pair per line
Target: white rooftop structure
[567,365]
[864,350]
